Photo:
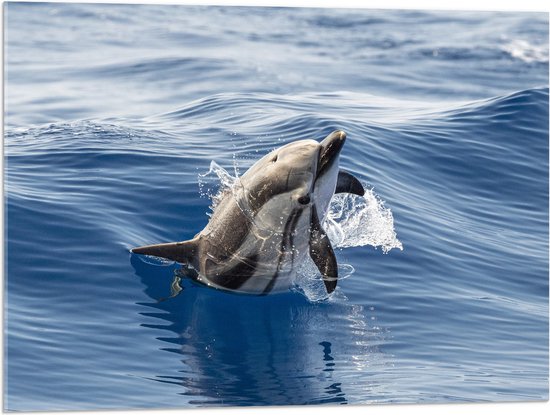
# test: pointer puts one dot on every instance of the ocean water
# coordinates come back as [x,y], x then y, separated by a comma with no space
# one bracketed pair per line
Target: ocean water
[123,122]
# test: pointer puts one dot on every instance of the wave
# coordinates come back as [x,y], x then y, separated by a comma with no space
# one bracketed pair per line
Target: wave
[469,160]
[444,138]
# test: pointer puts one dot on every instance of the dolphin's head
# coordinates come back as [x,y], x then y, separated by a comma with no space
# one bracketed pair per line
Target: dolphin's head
[329,153]
[308,160]
[296,175]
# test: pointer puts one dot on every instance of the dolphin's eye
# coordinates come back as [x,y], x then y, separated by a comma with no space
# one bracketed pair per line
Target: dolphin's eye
[304,200]
[274,159]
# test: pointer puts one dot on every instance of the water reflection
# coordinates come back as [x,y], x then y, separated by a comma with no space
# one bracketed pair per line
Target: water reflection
[273,350]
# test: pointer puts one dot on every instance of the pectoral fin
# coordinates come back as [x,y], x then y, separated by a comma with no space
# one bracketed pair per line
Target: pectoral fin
[322,254]
[347,183]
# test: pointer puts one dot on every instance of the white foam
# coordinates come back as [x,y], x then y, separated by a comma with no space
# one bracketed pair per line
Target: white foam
[527,52]
[359,221]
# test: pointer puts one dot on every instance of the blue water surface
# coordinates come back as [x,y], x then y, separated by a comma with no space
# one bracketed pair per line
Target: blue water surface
[112,113]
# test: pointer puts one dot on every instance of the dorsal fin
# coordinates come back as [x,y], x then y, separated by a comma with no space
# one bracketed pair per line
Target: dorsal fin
[182,252]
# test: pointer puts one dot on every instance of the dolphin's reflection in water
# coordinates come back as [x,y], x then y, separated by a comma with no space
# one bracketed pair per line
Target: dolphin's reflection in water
[272,350]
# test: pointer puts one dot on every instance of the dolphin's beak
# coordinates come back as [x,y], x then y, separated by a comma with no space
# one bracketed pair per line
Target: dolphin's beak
[330,150]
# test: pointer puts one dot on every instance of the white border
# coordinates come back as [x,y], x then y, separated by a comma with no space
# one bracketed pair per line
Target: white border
[502,5]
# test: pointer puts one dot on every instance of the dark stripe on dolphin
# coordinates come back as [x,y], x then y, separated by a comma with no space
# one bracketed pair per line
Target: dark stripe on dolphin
[235,277]
[286,242]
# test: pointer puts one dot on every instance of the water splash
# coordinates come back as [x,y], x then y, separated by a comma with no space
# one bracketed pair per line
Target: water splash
[215,184]
[359,221]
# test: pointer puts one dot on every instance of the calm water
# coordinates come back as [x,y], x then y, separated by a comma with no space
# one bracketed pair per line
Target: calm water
[114,114]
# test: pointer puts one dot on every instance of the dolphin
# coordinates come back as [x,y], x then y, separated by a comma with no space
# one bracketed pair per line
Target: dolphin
[269,222]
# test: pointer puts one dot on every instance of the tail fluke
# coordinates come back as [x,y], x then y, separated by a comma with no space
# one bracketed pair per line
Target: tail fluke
[181,252]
